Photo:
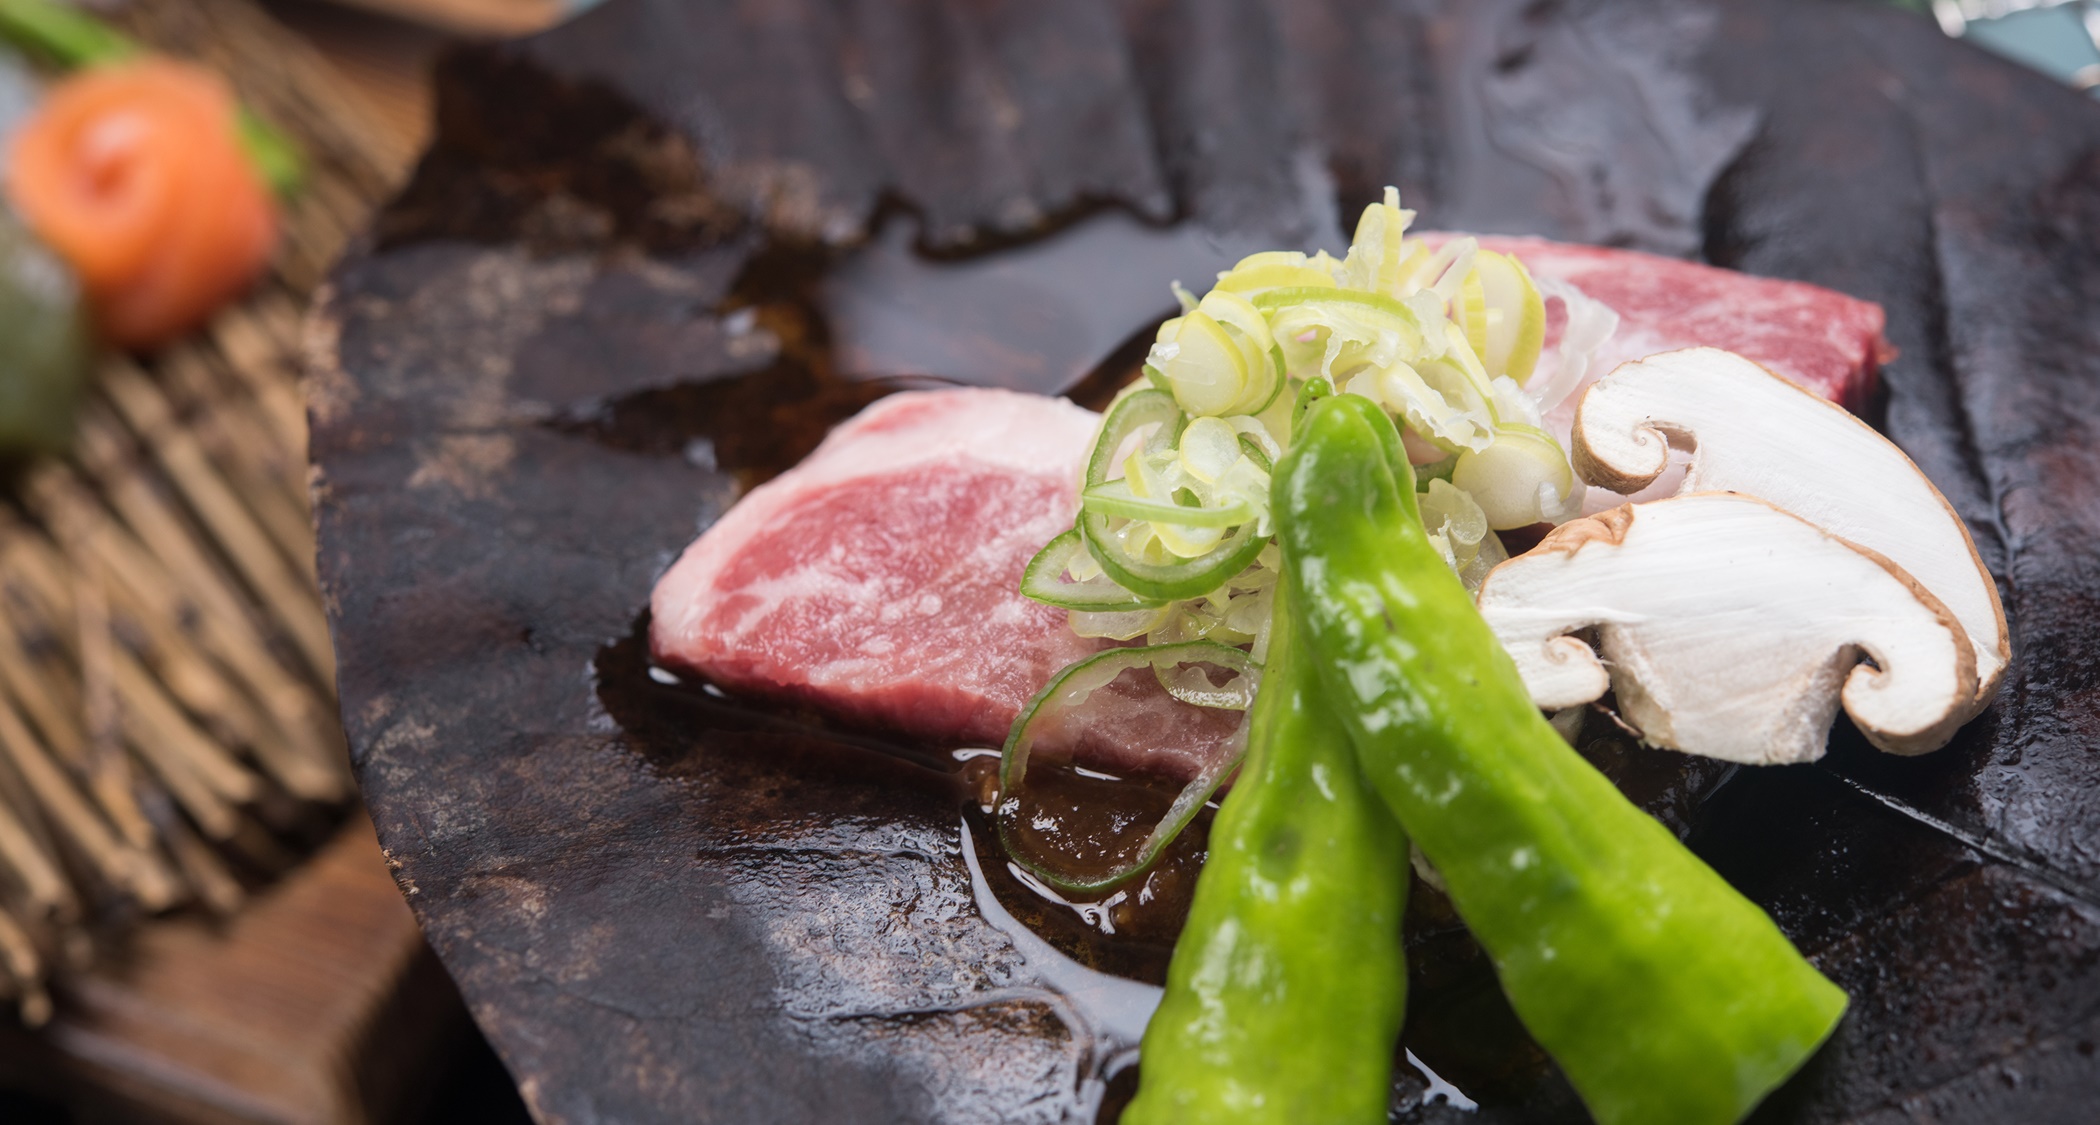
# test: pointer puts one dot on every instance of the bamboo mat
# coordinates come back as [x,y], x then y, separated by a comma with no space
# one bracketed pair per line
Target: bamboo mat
[168,728]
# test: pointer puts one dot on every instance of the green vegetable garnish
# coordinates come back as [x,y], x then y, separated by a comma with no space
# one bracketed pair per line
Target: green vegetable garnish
[1287,987]
[1044,582]
[1168,578]
[1175,495]
[46,346]
[1664,995]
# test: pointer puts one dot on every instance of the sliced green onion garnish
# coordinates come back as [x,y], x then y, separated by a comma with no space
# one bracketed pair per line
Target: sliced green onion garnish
[1071,688]
[1437,399]
[1516,328]
[1276,299]
[1376,255]
[1336,331]
[1114,498]
[1454,522]
[1520,479]
[1255,453]
[1281,372]
[1043,581]
[1120,625]
[1169,581]
[1434,470]
[1208,449]
[1129,415]
[1275,269]
[1207,369]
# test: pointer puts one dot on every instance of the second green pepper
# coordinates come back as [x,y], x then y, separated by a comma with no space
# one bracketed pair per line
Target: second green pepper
[1665,996]
[1286,990]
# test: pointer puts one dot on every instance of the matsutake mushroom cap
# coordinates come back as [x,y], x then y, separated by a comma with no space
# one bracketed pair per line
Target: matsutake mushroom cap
[1753,432]
[1732,629]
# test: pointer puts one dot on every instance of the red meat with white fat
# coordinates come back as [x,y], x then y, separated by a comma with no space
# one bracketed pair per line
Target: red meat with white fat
[880,578]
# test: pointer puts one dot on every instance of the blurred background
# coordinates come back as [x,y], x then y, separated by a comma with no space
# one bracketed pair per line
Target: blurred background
[196,924]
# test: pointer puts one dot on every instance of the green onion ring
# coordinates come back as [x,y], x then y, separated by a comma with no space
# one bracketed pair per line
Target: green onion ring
[1072,687]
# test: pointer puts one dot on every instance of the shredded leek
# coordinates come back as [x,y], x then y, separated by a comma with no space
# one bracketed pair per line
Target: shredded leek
[1174,503]
[1173,545]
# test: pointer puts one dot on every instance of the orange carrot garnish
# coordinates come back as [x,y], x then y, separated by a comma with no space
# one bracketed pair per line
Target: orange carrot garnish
[134,174]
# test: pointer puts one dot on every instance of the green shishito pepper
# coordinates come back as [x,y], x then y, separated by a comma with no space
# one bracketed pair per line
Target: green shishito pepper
[1286,991]
[1665,996]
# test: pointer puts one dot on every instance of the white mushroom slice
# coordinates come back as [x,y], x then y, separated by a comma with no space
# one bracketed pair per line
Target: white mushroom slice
[1733,630]
[1753,432]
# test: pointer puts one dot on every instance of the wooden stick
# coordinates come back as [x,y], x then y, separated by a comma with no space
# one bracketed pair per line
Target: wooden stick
[286,464]
[39,691]
[264,367]
[216,887]
[289,598]
[118,865]
[29,559]
[317,231]
[299,751]
[46,886]
[19,955]
[285,742]
[102,453]
[40,698]
[15,794]
[281,314]
[243,449]
[108,772]
[164,740]
[193,680]
[299,263]
[94,755]
[153,719]
[208,809]
[198,374]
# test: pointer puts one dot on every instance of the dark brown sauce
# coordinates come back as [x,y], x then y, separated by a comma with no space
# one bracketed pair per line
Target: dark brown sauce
[1085,825]
[1128,931]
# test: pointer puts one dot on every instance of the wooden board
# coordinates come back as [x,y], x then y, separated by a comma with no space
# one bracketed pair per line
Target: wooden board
[317,1004]
[540,375]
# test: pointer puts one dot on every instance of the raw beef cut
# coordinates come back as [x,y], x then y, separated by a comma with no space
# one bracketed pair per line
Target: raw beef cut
[879,580]
[1821,339]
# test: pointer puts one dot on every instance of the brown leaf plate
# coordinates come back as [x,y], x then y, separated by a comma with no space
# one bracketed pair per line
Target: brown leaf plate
[653,254]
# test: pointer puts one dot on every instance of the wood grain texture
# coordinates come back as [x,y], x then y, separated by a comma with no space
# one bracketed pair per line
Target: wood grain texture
[585,326]
[317,1004]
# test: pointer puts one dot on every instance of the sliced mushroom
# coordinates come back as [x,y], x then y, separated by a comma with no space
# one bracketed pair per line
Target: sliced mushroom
[1751,431]
[1732,629]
